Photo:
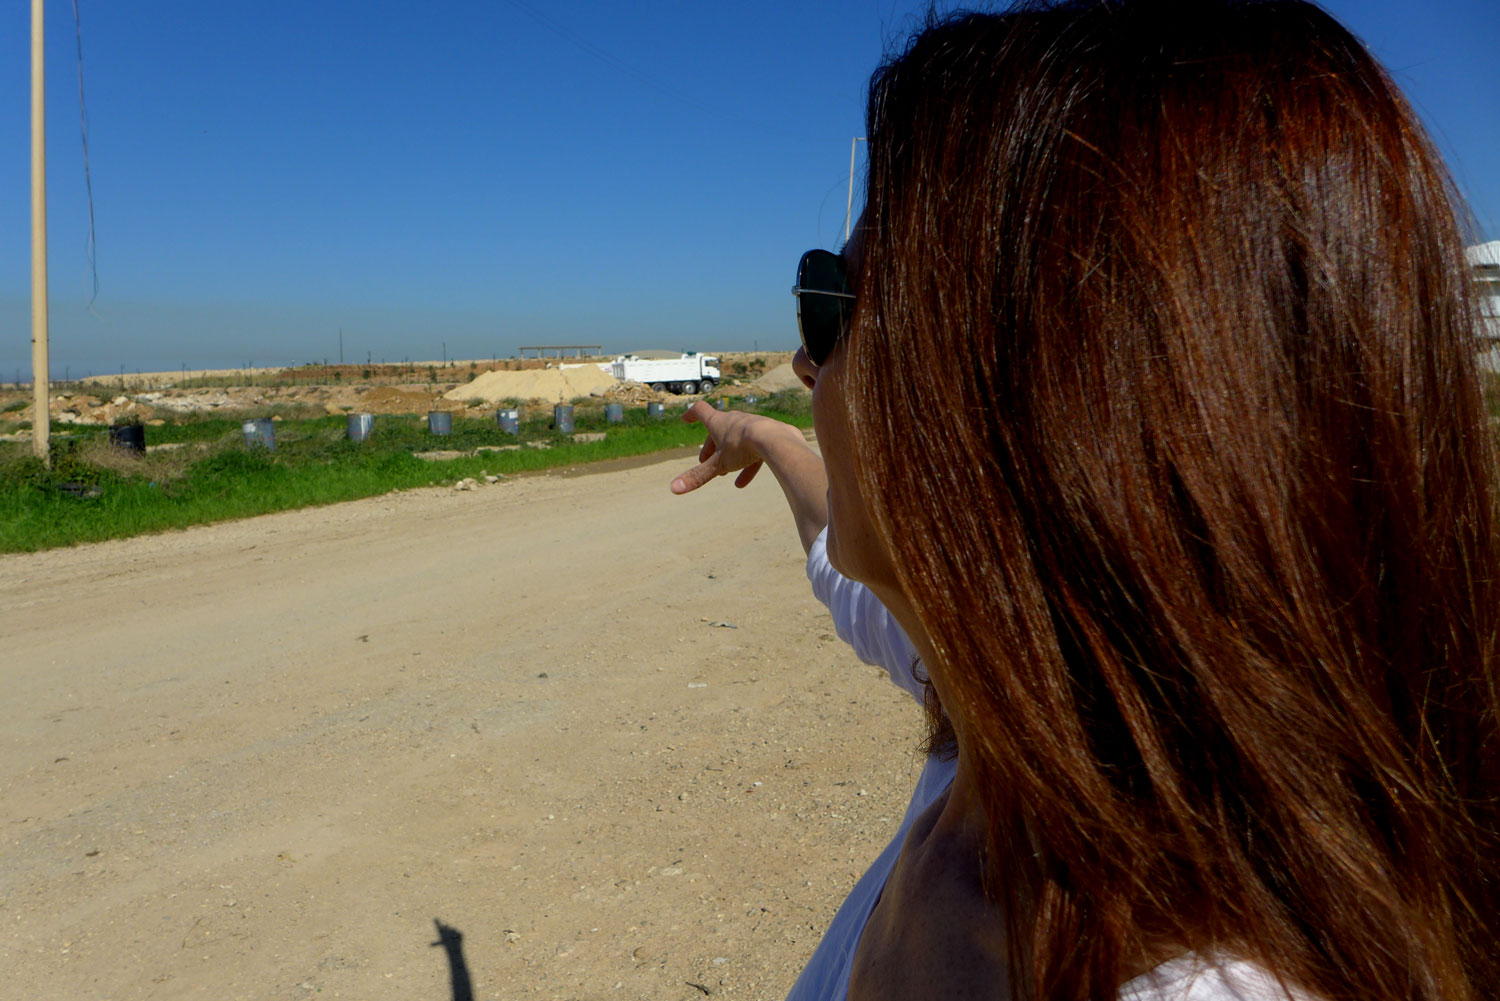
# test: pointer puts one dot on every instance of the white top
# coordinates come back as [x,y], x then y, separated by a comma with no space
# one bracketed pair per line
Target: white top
[1192,978]
[864,623]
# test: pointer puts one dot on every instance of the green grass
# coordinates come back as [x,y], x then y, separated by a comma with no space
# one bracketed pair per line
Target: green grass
[1489,382]
[95,492]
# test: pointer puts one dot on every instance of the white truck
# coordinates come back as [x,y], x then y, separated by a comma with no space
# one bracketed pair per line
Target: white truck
[689,374]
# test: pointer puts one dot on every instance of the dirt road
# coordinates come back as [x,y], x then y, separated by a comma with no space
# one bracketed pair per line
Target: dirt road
[602,732]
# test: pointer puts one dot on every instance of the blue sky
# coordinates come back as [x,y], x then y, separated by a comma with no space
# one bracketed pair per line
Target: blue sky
[472,176]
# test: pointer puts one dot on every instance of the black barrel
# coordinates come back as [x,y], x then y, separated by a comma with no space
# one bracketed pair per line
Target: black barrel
[128,436]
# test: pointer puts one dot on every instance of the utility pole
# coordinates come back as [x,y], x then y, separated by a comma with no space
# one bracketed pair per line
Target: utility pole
[849,203]
[41,420]
[341,345]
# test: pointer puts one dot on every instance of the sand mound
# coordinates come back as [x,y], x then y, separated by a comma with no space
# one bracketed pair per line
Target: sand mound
[550,384]
[779,378]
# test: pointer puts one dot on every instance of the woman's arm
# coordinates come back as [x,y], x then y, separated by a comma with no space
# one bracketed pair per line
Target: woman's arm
[864,623]
[740,442]
[744,442]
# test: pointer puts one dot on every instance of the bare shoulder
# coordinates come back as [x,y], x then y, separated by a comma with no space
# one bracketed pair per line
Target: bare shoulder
[933,933]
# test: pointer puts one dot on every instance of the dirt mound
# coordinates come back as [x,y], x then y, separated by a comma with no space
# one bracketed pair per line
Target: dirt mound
[390,400]
[779,378]
[549,384]
[630,391]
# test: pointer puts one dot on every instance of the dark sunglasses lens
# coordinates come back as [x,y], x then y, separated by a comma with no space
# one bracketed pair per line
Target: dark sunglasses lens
[818,319]
[822,270]
[821,318]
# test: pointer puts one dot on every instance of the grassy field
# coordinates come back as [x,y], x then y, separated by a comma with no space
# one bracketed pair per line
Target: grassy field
[95,491]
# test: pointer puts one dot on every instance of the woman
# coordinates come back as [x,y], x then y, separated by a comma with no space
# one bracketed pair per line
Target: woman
[1153,419]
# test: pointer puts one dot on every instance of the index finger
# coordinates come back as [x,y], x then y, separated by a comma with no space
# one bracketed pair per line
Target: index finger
[693,415]
[694,478]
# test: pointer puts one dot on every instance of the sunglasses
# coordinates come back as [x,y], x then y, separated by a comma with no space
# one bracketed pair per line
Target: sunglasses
[824,303]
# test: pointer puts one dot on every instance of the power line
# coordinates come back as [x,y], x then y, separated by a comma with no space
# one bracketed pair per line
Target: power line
[88,180]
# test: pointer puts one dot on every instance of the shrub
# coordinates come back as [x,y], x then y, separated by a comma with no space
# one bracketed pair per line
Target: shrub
[789,402]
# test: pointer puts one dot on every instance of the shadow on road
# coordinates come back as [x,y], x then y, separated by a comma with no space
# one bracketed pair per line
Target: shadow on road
[452,941]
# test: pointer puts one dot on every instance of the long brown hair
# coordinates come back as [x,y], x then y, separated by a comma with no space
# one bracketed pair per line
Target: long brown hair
[1200,512]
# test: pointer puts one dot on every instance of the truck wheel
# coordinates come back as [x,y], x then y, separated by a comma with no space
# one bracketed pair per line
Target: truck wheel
[706,386]
[659,387]
[689,388]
